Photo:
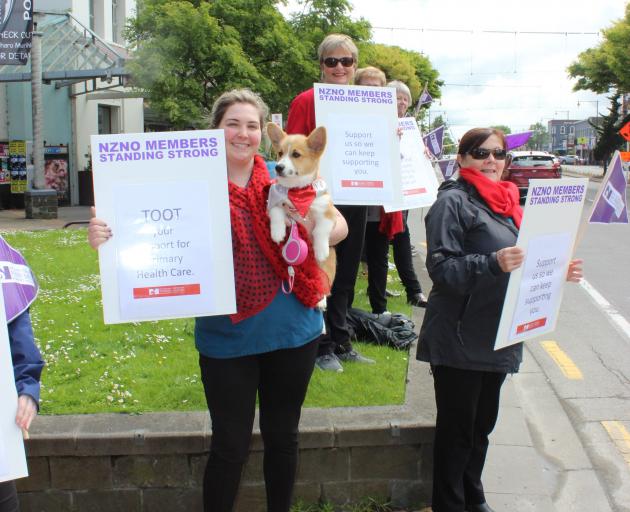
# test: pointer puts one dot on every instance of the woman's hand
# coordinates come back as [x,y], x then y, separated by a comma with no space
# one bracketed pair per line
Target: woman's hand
[575,272]
[98,231]
[26,411]
[510,258]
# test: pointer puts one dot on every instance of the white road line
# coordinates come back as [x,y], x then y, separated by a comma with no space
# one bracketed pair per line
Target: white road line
[616,317]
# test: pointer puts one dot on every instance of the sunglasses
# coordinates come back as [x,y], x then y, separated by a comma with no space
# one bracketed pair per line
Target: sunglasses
[482,153]
[331,62]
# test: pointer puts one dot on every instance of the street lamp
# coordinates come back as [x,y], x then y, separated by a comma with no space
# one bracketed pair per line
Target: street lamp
[596,116]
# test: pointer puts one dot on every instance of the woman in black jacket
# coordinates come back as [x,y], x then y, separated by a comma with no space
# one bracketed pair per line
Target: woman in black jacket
[471,234]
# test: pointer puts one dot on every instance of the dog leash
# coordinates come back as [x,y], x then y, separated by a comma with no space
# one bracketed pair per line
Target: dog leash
[294,252]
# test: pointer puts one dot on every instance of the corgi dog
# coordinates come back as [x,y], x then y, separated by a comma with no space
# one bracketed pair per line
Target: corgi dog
[298,185]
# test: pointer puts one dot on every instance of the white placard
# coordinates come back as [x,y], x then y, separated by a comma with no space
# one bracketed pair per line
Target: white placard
[419,182]
[277,118]
[165,197]
[547,235]
[361,163]
[12,455]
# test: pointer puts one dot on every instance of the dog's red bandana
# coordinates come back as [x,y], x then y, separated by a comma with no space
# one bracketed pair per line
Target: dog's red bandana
[299,198]
[259,266]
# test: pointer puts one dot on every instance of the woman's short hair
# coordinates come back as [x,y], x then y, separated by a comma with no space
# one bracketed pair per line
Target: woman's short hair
[369,72]
[229,98]
[476,137]
[333,41]
[401,88]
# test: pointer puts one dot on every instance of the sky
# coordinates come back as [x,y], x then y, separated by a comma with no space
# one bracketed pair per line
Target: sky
[493,78]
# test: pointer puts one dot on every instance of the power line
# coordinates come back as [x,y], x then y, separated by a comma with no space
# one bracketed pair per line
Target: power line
[468,31]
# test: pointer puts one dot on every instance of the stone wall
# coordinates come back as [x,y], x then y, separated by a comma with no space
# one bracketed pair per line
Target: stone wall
[155,462]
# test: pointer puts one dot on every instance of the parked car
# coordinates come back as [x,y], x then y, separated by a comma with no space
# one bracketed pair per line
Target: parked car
[571,160]
[526,165]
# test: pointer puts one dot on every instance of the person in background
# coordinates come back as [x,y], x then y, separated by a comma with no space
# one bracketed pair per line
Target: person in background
[385,228]
[471,229]
[27,370]
[338,57]
[268,348]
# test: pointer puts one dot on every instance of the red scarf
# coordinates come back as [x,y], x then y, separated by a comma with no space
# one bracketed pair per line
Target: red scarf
[501,196]
[391,224]
[258,263]
[302,198]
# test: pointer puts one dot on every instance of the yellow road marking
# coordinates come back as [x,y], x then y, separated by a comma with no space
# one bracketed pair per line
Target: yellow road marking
[620,436]
[564,362]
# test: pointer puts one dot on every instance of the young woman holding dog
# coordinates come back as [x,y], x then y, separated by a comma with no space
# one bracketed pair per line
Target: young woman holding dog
[471,231]
[338,57]
[268,348]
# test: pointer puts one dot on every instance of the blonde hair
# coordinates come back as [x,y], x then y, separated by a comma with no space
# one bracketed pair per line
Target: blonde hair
[333,41]
[370,72]
[229,98]
[401,87]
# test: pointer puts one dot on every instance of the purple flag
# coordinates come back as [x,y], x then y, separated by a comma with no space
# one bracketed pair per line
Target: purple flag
[424,98]
[515,140]
[448,167]
[18,282]
[611,207]
[433,141]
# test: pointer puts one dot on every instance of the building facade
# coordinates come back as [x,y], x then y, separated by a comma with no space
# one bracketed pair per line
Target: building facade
[83,54]
[562,136]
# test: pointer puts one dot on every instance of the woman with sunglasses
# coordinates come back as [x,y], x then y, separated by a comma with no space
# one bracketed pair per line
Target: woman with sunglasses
[338,57]
[471,234]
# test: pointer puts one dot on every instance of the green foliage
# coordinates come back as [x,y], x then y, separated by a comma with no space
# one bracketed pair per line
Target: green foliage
[186,53]
[505,129]
[539,138]
[606,66]
[152,366]
[608,137]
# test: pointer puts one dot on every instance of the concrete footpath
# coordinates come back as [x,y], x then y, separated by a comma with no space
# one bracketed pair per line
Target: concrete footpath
[536,461]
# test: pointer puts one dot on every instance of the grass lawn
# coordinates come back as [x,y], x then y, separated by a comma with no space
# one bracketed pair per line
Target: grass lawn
[152,366]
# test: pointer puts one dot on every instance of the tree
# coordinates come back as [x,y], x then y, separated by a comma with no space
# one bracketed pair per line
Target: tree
[606,66]
[412,68]
[187,52]
[539,138]
[608,137]
[503,128]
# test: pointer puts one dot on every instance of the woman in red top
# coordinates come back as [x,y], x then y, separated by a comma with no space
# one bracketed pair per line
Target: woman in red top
[338,57]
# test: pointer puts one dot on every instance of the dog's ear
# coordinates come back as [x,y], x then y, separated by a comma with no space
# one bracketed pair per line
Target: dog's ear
[317,140]
[276,134]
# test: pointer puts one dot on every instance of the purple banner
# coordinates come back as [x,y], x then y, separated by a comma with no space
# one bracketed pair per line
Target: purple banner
[433,141]
[611,208]
[16,31]
[515,140]
[448,167]
[18,282]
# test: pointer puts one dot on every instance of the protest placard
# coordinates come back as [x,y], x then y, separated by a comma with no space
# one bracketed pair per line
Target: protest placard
[547,235]
[361,164]
[12,456]
[165,197]
[419,183]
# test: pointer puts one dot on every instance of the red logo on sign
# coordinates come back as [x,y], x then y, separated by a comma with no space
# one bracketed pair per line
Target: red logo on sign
[531,325]
[415,191]
[361,184]
[154,292]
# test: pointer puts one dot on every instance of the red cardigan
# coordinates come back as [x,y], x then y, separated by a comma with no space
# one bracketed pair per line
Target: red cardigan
[301,118]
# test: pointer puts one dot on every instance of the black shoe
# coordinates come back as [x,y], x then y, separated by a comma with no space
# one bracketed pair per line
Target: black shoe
[482,507]
[418,300]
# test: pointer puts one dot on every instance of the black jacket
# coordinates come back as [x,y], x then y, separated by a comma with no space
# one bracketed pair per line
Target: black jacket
[462,316]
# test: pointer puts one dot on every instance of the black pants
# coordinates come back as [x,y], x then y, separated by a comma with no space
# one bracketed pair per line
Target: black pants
[467,408]
[337,337]
[280,379]
[377,255]
[8,497]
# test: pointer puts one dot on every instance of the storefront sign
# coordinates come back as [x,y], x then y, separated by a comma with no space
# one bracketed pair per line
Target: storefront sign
[16,31]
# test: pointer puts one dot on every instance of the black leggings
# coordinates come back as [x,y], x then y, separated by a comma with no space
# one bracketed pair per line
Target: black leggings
[467,407]
[280,378]
[8,497]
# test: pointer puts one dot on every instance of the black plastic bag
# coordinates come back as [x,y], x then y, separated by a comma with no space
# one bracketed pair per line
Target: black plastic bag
[395,330]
